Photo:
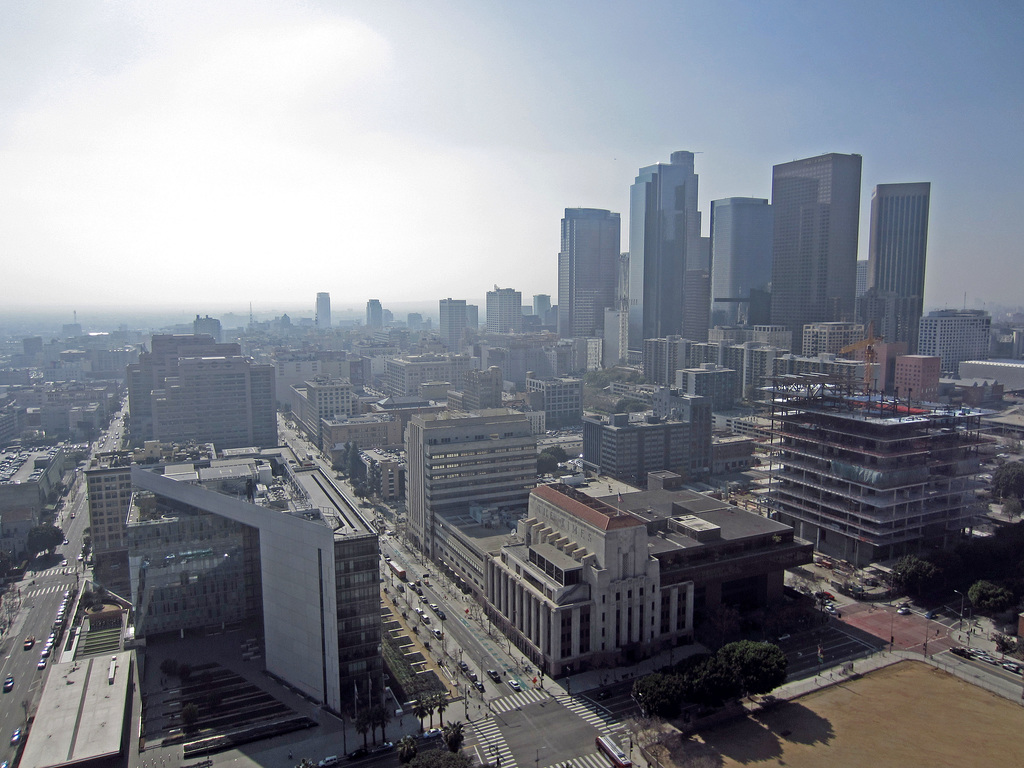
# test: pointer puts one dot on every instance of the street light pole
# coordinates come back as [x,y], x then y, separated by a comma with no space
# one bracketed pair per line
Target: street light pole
[960,626]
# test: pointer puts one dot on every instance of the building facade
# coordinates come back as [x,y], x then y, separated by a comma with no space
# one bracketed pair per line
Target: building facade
[453,324]
[830,338]
[664,244]
[588,270]
[504,310]
[816,204]
[741,256]
[322,319]
[955,335]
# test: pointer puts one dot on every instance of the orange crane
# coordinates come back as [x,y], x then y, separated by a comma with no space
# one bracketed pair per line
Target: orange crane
[868,347]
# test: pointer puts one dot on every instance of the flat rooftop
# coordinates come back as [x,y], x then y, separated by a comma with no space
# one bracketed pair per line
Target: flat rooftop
[81,712]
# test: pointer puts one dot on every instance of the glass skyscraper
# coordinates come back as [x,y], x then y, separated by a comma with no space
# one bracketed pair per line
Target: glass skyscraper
[741,256]
[588,270]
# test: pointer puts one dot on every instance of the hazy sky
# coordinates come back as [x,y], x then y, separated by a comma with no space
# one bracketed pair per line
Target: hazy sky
[209,154]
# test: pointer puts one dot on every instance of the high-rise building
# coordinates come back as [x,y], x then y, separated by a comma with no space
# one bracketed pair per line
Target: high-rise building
[455,460]
[829,337]
[862,277]
[955,335]
[588,270]
[541,306]
[900,483]
[664,244]
[374,314]
[227,401]
[207,325]
[816,204]
[452,325]
[504,310]
[323,310]
[897,252]
[741,256]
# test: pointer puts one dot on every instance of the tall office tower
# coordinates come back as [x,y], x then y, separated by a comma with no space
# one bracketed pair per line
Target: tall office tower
[588,264]
[414,321]
[473,319]
[323,310]
[741,256]
[897,251]
[225,400]
[453,324]
[454,460]
[862,277]
[374,314]
[207,325]
[664,244]
[541,305]
[816,202]
[504,310]
[955,335]
[156,366]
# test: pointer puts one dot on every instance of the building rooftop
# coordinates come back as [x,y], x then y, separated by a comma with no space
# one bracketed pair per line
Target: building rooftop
[81,712]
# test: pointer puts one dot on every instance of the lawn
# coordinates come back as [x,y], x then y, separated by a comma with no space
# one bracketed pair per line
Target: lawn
[908,714]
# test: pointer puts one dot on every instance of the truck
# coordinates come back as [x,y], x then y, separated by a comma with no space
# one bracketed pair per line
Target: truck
[398,571]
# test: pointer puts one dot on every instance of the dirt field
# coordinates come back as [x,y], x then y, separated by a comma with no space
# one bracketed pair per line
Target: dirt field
[908,714]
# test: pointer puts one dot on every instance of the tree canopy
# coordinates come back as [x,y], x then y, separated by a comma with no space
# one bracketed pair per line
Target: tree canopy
[759,667]
[43,538]
[439,758]
[914,575]
[1008,481]
[990,597]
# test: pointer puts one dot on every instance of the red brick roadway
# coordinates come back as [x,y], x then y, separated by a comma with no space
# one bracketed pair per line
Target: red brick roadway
[912,633]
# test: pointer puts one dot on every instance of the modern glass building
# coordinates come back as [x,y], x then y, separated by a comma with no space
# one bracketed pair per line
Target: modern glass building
[741,256]
[664,244]
[816,203]
[588,270]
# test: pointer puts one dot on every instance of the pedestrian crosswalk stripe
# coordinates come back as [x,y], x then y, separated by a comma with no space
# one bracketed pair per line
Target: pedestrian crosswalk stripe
[493,743]
[521,699]
[587,713]
[592,760]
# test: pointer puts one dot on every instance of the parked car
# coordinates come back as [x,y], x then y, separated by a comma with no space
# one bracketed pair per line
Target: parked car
[903,610]
[479,685]
[355,754]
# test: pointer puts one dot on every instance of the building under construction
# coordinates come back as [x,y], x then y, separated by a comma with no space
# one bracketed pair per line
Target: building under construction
[869,478]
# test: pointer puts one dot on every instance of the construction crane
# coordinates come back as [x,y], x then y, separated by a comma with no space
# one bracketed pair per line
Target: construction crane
[867,346]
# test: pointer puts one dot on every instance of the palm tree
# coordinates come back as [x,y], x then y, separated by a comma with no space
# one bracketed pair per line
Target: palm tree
[441,703]
[381,717]
[363,725]
[419,709]
[406,749]
[431,705]
[452,736]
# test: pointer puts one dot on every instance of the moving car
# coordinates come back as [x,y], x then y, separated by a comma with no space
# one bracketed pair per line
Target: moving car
[903,610]
[16,736]
[493,674]
[479,685]
[30,641]
[9,683]
[41,664]
[514,685]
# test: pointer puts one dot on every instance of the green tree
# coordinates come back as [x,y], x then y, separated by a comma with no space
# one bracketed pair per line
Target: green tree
[1008,481]
[759,667]
[44,538]
[374,478]
[406,749]
[989,597]
[5,562]
[189,716]
[546,463]
[1012,507]
[452,736]
[420,710]
[914,575]
[362,724]
[356,468]
[659,695]
[558,452]
[710,682]
[441,704]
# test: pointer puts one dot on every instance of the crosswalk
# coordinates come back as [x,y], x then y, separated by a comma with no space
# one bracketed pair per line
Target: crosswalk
[592,760]
[492,743]
[45,590]
[521,699]
[587,712]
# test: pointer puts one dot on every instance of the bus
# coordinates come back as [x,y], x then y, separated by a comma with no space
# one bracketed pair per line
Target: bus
[613,752]
[395,569]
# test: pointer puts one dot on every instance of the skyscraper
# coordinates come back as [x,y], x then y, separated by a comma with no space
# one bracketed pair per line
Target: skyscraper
[541,305]
[504,310]
[323,310]
[664,244]
[816,202]
[897,250]
[452,325]
[741,256]
[374,314]
[588,265]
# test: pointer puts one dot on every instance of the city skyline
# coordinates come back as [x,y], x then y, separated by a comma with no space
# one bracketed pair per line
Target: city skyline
[198,155]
